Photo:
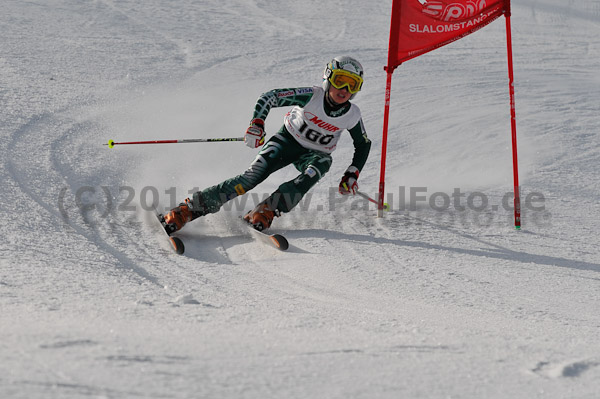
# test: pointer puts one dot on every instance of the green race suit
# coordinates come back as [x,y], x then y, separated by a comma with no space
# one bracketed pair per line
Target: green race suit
[307,138]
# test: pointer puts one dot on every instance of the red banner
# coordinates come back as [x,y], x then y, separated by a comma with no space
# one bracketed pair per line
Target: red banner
[419,26]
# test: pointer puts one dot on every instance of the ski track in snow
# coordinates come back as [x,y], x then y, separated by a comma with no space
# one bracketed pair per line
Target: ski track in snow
[420,303]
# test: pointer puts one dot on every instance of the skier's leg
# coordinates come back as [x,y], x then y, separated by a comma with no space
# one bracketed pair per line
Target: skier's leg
[313,165]
[278,152]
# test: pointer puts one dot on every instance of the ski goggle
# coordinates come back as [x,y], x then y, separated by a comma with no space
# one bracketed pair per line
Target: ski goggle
[341,78]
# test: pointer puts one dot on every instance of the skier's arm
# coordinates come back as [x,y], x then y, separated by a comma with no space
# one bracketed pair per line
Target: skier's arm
[281,98]
[362,145]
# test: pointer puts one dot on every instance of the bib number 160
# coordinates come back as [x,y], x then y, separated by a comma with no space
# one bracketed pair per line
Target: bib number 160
[314,136]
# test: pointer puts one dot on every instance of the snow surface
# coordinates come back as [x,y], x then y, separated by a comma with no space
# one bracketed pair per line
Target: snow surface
[431,301]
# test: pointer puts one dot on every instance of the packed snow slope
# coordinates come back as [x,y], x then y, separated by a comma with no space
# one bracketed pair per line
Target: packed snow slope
[440,298]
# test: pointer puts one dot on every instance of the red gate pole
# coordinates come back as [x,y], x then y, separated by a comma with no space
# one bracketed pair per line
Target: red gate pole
[386,119]
[392,64]
[513,119]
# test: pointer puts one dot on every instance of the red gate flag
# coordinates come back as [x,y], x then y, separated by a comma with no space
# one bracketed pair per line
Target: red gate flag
[420,26]
[424,25]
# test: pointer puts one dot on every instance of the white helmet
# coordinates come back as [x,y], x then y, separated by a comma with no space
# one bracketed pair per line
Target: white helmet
[350,67]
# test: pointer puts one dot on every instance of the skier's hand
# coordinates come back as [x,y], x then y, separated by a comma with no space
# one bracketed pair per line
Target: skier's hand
[255,134]
[348,184]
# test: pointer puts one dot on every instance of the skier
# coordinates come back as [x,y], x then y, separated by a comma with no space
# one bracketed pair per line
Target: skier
[307,138]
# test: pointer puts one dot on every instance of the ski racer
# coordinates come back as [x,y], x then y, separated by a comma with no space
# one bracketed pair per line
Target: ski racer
[307,138]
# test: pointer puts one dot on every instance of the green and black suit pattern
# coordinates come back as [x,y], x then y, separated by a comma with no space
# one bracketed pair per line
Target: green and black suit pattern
[284,149]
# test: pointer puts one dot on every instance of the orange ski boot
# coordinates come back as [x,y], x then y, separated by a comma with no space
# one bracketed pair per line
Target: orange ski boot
[177,217]
[261,217]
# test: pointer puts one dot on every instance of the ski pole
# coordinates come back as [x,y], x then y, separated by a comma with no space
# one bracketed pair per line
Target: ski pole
[111,143]
[386,207]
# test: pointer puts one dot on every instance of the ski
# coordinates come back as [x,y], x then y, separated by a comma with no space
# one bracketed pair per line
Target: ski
[175,242]
[274,240]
